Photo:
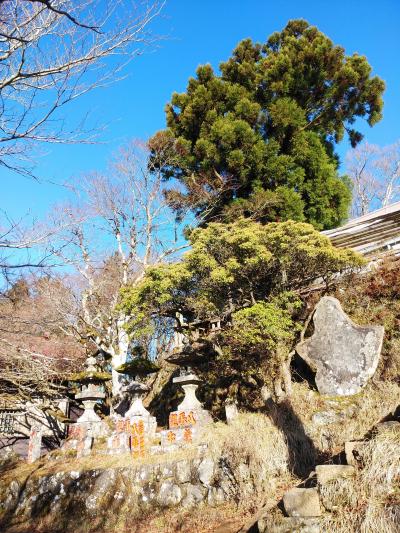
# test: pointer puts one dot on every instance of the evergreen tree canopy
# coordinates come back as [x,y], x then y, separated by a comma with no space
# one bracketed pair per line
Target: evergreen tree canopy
[258,140]
[247,275]
[233,266]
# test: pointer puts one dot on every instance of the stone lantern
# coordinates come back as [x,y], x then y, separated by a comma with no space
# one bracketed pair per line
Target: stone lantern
[92,392]
[188,421]
[138,368]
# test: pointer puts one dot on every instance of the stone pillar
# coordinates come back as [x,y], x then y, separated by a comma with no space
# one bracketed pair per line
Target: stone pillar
[35,444]
[137,411]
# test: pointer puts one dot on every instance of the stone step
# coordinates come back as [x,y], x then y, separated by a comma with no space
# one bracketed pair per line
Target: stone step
[327,473]
[302,503]
[290,525]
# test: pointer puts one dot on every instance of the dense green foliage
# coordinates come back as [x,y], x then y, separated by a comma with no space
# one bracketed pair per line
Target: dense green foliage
[232,266]
[258,139]
[246,274]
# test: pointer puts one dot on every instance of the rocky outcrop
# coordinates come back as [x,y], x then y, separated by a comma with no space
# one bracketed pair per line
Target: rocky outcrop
[343,354]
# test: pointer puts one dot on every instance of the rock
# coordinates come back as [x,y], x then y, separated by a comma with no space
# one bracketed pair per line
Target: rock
[183,472]
[302,503]
[343,354]
[215,496]
[390,424]
[169,494]
[194,495]
[231,412]
[353,451]
[323,418]
[327,473]
[289,525]
[206,471]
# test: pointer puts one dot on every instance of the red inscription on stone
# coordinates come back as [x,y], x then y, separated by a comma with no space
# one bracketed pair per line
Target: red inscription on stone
[137,440]
[171,437]
[190,419]
[173,420]
[138,428]
[181,420]
[187,435]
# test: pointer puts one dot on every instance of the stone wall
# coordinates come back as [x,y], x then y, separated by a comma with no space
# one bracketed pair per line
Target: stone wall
[83,500]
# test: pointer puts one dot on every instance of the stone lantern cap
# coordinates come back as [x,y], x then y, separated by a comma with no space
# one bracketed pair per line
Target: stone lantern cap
[186,379]
[135,387]
[90,395]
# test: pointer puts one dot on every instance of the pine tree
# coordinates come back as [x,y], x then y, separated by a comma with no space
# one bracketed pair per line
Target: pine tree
[258,139]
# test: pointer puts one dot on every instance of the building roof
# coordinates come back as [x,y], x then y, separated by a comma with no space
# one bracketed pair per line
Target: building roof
[370,234]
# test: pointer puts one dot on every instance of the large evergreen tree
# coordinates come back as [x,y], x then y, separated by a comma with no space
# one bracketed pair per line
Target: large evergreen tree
[258,140]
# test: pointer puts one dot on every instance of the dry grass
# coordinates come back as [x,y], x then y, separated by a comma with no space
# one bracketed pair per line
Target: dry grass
[253,454]
[226,518]
[355,415]
[371,502]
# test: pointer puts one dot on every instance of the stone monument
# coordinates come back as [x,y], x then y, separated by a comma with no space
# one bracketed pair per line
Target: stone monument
[343,354]
[91,393]
[187,421]
[35,444]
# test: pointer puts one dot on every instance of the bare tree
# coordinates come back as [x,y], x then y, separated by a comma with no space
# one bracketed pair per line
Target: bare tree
[388,169]
[53,52]
[117,225]
[375,175]
[35,354]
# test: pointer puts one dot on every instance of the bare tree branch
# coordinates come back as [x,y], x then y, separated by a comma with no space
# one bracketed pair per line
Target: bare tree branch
[53,52]
[375,175]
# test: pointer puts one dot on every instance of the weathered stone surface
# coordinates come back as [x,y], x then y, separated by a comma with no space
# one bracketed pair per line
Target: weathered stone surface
[231,412]
[194,495]
[87,500]
[353,451]
[343,354]
[384,426]
[302,503]
[183,471]
[215,496]
[327,473]
[169,494]
[289,525]
[206,471]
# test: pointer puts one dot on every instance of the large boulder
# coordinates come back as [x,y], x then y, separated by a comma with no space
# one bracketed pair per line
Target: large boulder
[343,354]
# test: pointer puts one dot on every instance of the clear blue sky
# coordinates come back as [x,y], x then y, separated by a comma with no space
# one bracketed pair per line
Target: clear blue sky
[206,31]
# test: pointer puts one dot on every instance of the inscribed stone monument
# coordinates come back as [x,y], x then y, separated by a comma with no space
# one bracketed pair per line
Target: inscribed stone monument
[343,354]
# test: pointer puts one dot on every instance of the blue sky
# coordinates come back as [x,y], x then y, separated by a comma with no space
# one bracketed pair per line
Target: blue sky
[206,31]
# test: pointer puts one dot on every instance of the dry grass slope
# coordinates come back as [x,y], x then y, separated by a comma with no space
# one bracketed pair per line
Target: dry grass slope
[371,502]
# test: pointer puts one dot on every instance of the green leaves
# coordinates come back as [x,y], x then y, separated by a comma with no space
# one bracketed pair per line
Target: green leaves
[233,266]
[245,274]
[269,121]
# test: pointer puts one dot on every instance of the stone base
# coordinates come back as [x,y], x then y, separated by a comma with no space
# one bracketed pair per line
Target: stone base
[302,503]
[189,418]
[150,424]
[119,443]
[84,447]
[92,429]
[178,437]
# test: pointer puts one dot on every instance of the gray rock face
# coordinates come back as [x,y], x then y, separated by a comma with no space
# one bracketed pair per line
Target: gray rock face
[289,525]
[169,494]
[343,354]
[328,473]
[302,503]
